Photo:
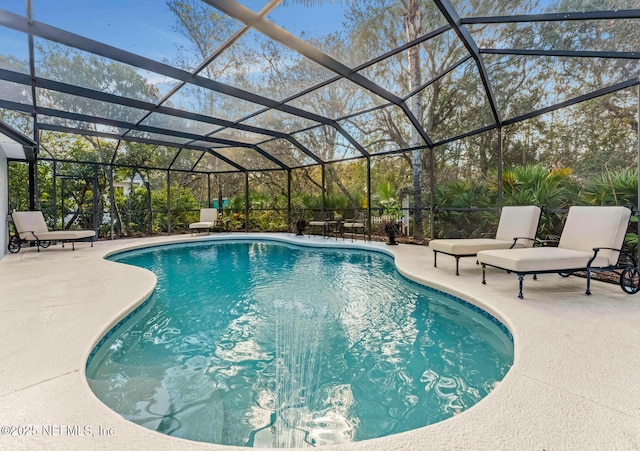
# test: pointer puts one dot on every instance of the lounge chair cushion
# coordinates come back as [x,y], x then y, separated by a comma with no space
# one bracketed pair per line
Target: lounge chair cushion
[515,222]
[585,228]
[27,222]
[61,235]
[202,225]
[33,221]
[353,225]
[470,246]
[518,221]
[539,259]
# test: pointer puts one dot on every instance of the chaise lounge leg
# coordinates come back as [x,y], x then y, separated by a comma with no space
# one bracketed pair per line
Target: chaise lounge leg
[520,279]
[588,292]
[484,282]
[457,264]
[435,258]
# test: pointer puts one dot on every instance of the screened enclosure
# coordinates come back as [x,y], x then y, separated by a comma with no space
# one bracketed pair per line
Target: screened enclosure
[434,112]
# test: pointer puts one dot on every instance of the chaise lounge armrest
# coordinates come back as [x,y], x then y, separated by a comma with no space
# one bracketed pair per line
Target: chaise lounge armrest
[516,238]
[621,251]
[32,232]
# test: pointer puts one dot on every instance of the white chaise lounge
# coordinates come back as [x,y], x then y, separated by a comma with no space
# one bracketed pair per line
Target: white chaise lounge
[30,227]
[517,228]
[208,220]
[591,239]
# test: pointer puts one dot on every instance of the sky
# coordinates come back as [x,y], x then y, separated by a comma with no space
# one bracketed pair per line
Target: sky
[147,27]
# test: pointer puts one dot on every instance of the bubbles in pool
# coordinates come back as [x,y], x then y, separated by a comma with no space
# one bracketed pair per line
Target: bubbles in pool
[270,345]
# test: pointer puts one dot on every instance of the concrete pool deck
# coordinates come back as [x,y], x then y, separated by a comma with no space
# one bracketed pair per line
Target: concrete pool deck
[575,382]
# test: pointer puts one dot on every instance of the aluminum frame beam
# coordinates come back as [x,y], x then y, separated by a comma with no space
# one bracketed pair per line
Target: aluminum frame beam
[114,136]
[28,145]
[93,94]
[560,53]
[592,95]
[271,30]
[555,17]
[453,18]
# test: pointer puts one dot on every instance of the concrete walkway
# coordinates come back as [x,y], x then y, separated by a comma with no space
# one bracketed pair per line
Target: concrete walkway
[575,382]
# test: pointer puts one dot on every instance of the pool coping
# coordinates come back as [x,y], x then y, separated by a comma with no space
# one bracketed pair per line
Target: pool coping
[574,382]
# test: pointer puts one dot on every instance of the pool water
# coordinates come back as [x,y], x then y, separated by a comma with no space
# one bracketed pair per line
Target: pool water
[274,345]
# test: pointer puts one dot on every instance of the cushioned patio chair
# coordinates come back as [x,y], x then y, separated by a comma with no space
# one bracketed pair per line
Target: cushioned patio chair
[591,240]
[354,225]
[321,220]
[208,220]
[517,228]
[31,228]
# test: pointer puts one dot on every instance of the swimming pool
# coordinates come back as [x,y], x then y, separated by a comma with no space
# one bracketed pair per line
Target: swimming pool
[265,344]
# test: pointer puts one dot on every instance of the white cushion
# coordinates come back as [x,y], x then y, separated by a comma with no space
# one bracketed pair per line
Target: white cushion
[518,221]
[515,222]
[589,227]
[209,215]
[470,246]
[29,221]
[202,225]
[61,235]
[539,259]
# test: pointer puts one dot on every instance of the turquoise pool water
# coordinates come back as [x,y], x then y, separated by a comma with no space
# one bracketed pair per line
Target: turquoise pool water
[274,345]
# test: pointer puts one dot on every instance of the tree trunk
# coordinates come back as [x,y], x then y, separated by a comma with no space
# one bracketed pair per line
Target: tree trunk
[149,216]
[336,178]
[130,202]
[413,29]
[114,206]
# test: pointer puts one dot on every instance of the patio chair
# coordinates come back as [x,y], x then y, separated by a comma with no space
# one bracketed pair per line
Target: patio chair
[208,220]
[591,240]
[359,223]
[517,228]
[31,228]
[321,219]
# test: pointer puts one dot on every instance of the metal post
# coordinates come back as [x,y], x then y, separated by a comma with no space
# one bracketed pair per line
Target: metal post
[62,201]
[95,203]
[500,144]
[288,199]
[369,197]
[209,190]
[112,197]
[638,201]
[323,181]
[432,195]
[55,195]
[32,185]
[168,202]
[246,201]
